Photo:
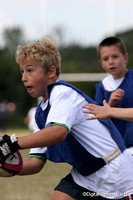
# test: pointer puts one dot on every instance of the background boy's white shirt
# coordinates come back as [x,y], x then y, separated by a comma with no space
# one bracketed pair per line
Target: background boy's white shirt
[111,84]
[66,108]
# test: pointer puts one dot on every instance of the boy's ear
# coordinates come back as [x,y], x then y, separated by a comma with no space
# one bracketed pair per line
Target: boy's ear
[100,61]
[126,57]
[52,72]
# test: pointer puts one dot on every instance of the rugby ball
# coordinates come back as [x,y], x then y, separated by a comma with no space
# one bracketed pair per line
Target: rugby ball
[12,166]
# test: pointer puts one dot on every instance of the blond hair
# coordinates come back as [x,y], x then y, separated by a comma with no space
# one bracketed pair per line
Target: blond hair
[44,52]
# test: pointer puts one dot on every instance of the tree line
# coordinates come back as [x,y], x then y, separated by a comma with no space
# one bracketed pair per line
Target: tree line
[75,59]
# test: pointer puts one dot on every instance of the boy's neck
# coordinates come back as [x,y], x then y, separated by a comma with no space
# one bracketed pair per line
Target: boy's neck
[119,76]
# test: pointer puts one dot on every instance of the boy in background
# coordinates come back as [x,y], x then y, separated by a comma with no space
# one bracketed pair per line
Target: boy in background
[117,87]
[29,120]
[101,164]
[105,112]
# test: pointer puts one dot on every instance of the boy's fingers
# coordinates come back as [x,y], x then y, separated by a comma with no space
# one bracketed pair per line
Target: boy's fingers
[90,118]
[85,106]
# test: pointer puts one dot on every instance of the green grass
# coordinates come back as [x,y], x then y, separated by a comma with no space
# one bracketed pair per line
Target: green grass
[33,187]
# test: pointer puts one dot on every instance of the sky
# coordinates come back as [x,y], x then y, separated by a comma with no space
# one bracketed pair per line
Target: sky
[86,22]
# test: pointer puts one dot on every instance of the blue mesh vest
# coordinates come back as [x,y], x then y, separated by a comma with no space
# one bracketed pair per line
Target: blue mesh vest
[123,126]
[70,150]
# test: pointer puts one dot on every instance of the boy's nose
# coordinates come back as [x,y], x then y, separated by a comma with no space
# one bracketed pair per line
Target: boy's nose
[110,60]
[24,77]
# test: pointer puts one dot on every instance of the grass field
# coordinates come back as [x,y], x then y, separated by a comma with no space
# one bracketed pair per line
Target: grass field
[33,187]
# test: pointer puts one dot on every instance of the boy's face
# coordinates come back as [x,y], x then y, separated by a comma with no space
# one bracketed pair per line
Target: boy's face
[35,79]
[113,61]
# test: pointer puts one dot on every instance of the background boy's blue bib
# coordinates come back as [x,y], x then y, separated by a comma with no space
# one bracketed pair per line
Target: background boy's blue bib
[123,126]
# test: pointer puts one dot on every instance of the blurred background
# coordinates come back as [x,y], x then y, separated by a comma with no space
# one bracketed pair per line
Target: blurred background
[76,25]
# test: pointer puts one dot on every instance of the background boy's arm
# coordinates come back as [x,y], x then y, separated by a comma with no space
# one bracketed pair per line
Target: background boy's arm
[104,112]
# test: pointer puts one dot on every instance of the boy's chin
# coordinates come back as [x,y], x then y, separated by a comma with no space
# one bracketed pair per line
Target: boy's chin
[33,96]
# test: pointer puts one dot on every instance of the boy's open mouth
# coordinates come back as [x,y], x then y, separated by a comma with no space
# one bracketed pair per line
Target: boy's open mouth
[29,88]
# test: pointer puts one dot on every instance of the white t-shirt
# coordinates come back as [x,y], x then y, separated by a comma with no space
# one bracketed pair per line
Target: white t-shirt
[111,84]
[66,108]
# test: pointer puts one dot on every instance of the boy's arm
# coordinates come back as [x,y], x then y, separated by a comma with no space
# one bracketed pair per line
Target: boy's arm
[31,166]
[104,112]
[45,137]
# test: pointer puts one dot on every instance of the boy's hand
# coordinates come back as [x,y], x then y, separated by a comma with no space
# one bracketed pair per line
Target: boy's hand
[115,97]
[8,146]
[99,112]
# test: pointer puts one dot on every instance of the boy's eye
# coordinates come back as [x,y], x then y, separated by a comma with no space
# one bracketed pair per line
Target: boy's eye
[21,71]
[105,59]
[115,56]
[30,70]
